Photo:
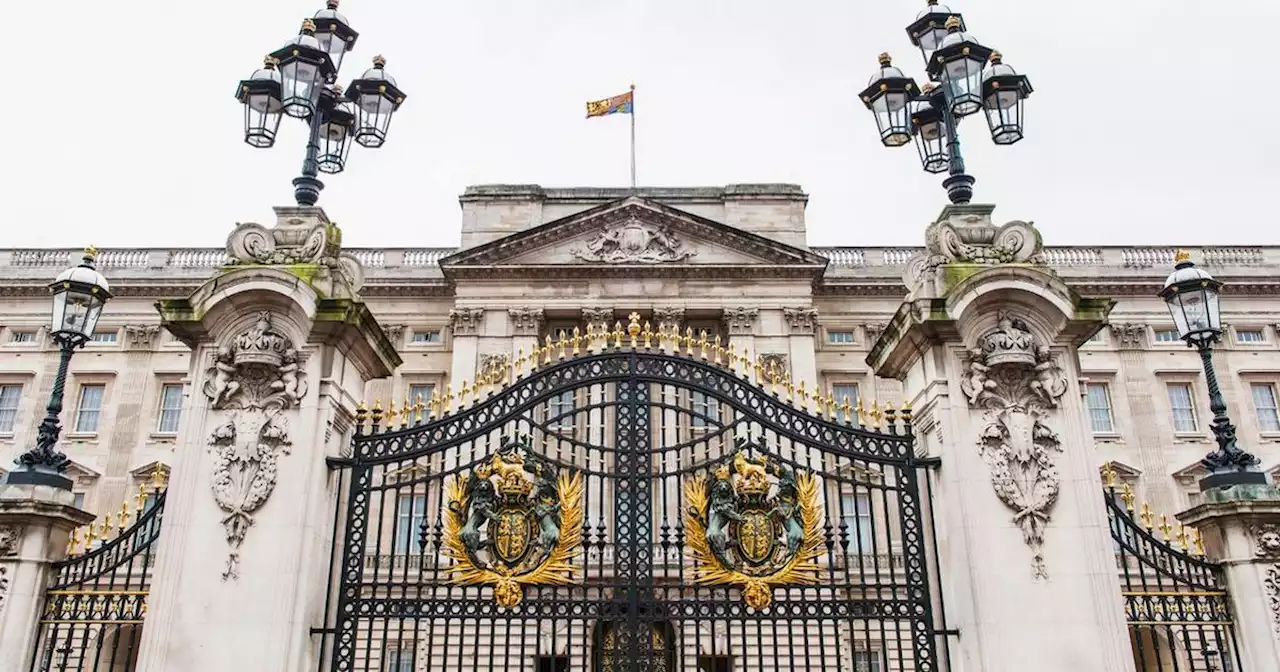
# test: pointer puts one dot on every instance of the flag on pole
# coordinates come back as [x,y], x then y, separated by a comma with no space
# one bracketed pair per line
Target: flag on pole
[619,104]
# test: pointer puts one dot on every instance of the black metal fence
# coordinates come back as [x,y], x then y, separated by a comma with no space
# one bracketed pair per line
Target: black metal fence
[1176,601]
[629,501]
[94,610]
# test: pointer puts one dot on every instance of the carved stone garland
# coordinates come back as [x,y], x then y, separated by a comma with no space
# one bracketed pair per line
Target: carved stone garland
[1266,545]
[9,536]
[1017,380]
[255,380]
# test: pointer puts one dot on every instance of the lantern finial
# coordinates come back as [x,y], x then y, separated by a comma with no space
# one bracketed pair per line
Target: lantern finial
[331,4]
[1181,256]
[885,60]
[90,253]
[379,61]
[308,27]
[995,57]
[932,3]
[270,62]
[953,23]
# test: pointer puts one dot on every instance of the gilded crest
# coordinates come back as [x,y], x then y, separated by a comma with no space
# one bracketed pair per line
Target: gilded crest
[516,520]
[755,523]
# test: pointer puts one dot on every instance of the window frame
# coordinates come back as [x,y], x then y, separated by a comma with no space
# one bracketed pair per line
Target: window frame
[77,426]
[414,333]
[12,337]
[1196,428]
[95,342]
[853,402]
[859,525]
[874,656]
[711,411]
[17,407]
[571,417]
[161,410]
[1156,340]
[1274,431]
[1110,408]
[413,513]
[395,656]
[1260,331]
[829,332]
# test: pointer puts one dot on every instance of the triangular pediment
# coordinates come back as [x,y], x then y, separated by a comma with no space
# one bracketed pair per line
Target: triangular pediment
[629,235]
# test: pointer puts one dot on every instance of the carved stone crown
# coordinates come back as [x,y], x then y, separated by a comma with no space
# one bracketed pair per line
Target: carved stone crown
[261,344]
[1010,343]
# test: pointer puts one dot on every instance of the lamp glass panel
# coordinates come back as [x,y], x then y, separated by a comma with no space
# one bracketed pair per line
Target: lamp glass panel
[964,79]
[300,87]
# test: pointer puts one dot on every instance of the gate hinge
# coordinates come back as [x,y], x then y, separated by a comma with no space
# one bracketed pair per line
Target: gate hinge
[338,462]
[322,631]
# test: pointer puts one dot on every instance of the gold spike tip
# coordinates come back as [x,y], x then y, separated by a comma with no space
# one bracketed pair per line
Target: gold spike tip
[379,61]
[952,23]
[1181,256]
[90,252]
[885,59]
[308,26]
[996,56]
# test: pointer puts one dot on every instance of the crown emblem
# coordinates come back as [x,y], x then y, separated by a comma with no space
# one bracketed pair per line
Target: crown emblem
[1010,343]
[261,344]
[510,474]
[752,480]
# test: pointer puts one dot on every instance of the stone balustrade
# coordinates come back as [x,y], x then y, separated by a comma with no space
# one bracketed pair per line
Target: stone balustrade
[841,257]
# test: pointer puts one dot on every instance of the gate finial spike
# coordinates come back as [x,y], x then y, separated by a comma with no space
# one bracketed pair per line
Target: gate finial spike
[875,414]
[406,416]
[1109,475]
[833,409]
[715,347]
[158,478]
[1197,542]
[417,408]
[1182,538]
[73,541]
[433,406]
[1126,494]
[1165,527]
[577,338]
[646,336]
[890,418]
[802,395]
[124,515]
[688,341]
[448,399]
[141,497]
[391,413]
[562,345]
[733,358]
[617,333]
[1146,517]
[703,343]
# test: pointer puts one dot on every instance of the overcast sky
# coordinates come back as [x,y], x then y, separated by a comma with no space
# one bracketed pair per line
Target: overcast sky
[1147,125]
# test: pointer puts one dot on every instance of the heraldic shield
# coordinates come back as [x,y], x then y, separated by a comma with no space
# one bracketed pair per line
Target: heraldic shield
[755,523]
[516,520]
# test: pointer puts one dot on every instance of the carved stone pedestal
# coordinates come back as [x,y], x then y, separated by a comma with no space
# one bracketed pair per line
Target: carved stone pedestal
[985,347]
[281,347]
[1241,530]
[35,523]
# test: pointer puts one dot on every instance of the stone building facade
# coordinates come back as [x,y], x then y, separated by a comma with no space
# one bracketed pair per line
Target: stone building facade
[731,261]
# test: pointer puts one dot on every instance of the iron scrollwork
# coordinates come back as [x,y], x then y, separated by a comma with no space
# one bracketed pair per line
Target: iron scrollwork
[756,524]
[516,520]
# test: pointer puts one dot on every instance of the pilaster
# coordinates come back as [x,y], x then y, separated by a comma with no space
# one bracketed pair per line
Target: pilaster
[802,325]
[35,525]
[740,324]
[464,326]
[1146,421]
[526,324]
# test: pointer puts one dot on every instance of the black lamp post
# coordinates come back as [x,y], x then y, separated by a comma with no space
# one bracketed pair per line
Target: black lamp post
[79,293]
[1192,295]
[965,77]
[298,80]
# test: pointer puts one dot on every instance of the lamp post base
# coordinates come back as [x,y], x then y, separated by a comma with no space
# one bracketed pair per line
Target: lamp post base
[1226,479]
[306,190]
[37,476]
[959,188]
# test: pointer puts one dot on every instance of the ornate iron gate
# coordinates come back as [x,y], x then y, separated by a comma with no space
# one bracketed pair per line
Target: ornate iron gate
[1175,600]
[94,610]
[613,503]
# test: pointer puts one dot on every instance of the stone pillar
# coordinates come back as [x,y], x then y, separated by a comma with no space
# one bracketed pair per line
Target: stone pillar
[1145,421]
[740,325]
[464,324]
[281,350]
[985,345]
[526,324]
[802,324]
[35,524]
[1241,530]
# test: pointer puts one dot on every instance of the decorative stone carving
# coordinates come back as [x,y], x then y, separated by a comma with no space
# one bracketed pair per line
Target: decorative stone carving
[1266,540]
[4,586]
[668,319]
[965,234]
[301,236]
[1129,336]
[10,535]
[465,321]
[874,330]
[801,320]
[491,362]
[1017,380]
[526,321]
[1271,586]
[740,321]
[141,335]
[633,242]
[597,317]
[773,361]
[254,380]
[395,333]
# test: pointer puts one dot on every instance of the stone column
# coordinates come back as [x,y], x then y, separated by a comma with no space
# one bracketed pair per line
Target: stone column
[802,324]
[667,319]
[281,349]
[985,345]
[1241,530]
[526,324]
[740,325]
[35,524]
[464,325]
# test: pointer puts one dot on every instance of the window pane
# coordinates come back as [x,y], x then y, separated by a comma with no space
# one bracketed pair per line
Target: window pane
[560,411]
[1249,336]
[10,395]
[1184,414]
[103,337]
[855,509]
[170,409]
[22,337]
[411,510]
[1264,402]
[432,336]
[421,392]
[1167,335]
[866,661]
[842,337]
[89,408]
[845,391]
[706,410]
[1099,403]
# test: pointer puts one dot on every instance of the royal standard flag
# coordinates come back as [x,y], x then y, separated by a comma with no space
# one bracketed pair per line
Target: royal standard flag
[619,104]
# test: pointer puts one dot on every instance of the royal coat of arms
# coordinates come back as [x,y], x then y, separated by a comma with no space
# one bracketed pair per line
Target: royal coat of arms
[755,523]
[516,520]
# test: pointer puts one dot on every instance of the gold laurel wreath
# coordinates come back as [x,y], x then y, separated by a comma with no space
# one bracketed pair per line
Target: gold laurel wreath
[556,570]
[800,569]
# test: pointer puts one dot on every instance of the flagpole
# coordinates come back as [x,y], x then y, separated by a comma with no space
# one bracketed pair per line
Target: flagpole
[633,136]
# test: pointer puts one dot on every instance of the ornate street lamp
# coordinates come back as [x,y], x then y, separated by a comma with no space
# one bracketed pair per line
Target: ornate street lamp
[298,80]
[79,293]
[1192,297]
[962,83]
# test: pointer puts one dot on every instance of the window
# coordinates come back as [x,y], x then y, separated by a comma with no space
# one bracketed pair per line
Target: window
[170,408]
[1250,336]
[840,337]
[715,664]
[1096,338]
[10,395]
[89,409]
[560,412]
[867,661]
[399,660]
[553,664]
[22,337]
[705,409]
[1098,401]
[845,391]
[855,510]
[421,392]
[103,337]
[1167,336]
[427,336]
[78,502]
[1264,403]
[1184,412]
[411,512]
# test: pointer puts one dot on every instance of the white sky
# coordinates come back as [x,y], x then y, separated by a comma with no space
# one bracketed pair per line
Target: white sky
[1147,125]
